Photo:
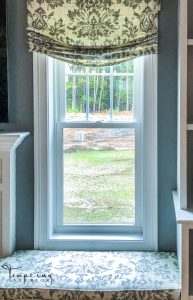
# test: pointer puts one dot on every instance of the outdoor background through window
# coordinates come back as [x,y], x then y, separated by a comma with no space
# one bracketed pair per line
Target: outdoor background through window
[99,163]
[99,93]
[99,175]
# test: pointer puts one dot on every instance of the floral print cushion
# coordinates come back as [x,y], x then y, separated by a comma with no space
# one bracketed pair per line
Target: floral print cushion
[80,275]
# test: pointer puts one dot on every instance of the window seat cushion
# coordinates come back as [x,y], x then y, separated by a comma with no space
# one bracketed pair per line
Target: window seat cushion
[80,275]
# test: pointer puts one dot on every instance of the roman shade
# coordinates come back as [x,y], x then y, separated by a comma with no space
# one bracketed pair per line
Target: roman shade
[93,32]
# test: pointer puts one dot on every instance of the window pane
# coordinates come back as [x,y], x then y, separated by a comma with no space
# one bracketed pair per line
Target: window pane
[99,175]
[75,97]
[122,98]
[99,98]
[99,93]
[126,67]
[70,68]
[103,70]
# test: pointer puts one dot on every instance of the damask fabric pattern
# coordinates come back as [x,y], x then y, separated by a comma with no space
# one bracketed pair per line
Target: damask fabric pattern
[93,32]
[71,275]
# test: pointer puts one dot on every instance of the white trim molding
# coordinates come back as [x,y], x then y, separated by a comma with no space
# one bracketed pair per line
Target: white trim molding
[8,144]
[184,216]
[50,236]
[184,219]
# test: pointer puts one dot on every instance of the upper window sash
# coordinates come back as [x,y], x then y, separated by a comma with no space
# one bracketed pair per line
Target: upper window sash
[61,94]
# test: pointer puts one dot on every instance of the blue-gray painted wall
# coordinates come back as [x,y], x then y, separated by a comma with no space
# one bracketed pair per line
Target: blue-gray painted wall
[167,123]
[21,118]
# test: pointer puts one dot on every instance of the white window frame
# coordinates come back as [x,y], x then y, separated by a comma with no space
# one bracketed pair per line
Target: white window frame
[48,235]
[59,120]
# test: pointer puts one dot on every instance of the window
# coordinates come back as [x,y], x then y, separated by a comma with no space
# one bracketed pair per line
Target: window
[99,161]
[95,150]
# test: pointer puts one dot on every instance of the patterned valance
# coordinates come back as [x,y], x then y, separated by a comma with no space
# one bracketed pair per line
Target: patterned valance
[93,32]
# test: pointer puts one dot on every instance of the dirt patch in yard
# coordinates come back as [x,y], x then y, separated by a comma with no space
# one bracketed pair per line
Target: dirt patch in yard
[98,139]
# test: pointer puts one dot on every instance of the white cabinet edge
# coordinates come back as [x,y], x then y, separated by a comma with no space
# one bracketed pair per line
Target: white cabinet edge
[10,140]
[190,43]
[182,215]
[189,126]
[8,144]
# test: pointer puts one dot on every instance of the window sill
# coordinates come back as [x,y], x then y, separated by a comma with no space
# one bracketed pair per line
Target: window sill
[99,237]
[86,242]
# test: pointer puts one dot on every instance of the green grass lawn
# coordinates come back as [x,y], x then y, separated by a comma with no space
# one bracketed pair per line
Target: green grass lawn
[99,186]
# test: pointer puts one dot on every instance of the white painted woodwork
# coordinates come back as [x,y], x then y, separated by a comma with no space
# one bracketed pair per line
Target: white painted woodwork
[8,144]
[190,42]
[184,217]
[49,231]
[189,126]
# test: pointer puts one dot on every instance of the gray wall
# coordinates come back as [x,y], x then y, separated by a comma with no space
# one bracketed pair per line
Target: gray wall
[167,120]
[21,118]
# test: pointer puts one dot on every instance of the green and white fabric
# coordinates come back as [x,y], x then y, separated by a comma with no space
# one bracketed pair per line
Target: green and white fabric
[93,32]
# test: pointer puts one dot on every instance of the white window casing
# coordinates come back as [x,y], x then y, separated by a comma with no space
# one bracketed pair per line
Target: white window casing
[48,125]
